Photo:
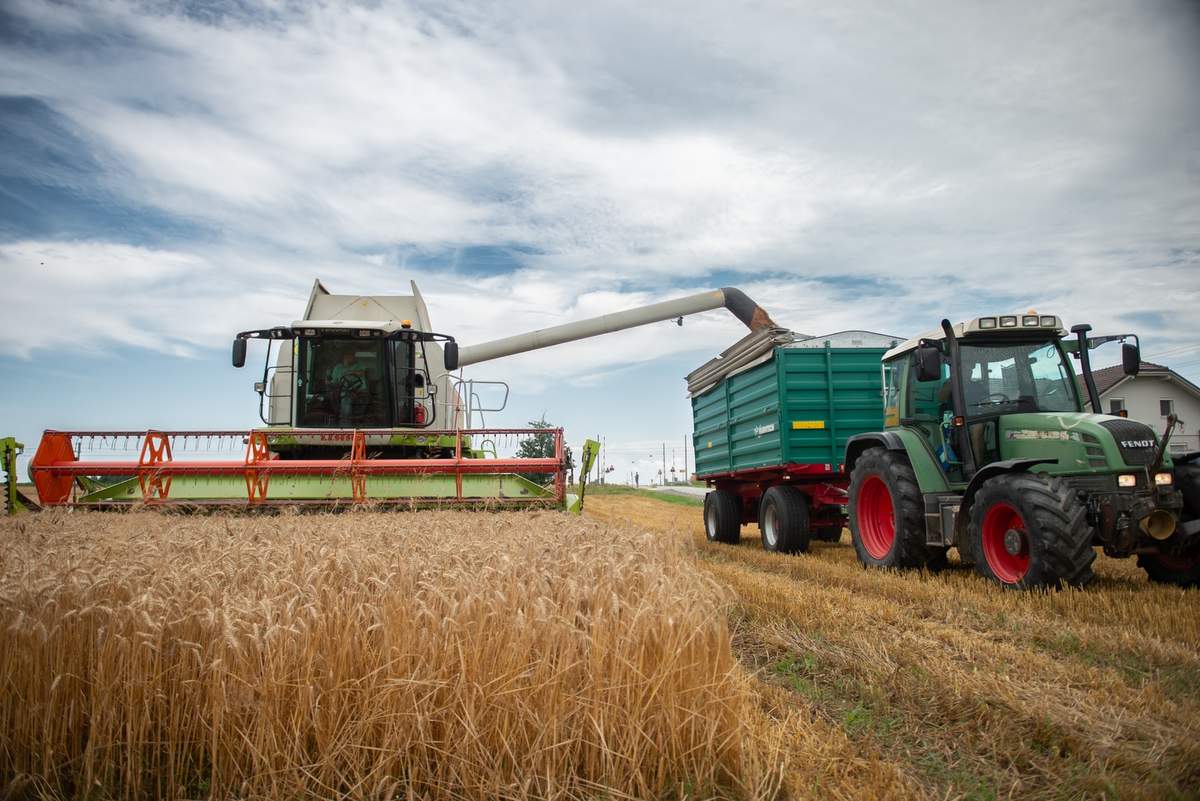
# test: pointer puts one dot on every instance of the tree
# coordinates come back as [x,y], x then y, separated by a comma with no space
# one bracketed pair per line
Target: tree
[541,446]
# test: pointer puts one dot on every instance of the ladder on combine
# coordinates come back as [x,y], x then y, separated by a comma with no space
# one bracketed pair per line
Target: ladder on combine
[168,470]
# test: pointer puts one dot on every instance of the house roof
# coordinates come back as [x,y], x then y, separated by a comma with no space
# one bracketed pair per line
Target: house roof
[1108,378]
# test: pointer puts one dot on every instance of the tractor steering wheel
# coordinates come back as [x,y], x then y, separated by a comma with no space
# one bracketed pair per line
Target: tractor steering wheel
[1003,398]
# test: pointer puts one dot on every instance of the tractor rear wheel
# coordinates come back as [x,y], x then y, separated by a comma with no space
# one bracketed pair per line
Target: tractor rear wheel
[783,520]
[722,516]
[1029,530]
[887,517]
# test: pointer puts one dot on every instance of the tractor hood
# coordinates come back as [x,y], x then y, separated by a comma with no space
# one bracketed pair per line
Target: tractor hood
[1080,441]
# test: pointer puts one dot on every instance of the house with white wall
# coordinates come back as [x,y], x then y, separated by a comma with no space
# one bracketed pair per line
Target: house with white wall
[1148,397]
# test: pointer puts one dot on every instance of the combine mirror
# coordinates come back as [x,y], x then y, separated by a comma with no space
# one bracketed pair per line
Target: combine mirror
[239,352]
[451,356]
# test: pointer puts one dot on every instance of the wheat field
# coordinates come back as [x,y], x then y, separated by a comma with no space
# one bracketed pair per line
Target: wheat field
[449,655]
[366,655]
[953,685]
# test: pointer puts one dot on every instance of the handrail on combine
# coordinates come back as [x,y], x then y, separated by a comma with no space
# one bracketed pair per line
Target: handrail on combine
[57,469]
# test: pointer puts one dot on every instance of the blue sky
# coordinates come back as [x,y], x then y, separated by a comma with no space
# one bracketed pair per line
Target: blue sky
[173,172]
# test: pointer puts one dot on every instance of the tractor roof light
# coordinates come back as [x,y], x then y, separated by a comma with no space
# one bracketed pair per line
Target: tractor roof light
[1030,320]
[987,322]
[1049,322]
[1008,322]
[1164,479]
[1127,480]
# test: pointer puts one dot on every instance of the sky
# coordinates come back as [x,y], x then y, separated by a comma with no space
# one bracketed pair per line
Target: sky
[174,172]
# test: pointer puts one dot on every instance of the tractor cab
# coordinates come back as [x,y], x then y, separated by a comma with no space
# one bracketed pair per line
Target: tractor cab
[350,374]
[1005,365]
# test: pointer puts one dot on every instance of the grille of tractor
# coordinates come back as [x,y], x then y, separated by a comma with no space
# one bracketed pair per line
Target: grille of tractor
[1135,440]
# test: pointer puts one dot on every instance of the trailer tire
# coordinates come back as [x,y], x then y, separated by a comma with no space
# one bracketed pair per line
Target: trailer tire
[1030,531]
[887,516]
[783,520]
[722,517]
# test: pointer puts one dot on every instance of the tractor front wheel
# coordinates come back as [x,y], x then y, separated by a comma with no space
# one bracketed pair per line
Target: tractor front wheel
[722,516]
[1029,530]
[783,520]
[1182,569]
[887,518]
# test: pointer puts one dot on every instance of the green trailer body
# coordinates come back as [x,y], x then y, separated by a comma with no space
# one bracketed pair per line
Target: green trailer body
[797,408]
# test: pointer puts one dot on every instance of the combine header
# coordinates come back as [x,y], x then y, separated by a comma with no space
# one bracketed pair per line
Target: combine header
[361,405]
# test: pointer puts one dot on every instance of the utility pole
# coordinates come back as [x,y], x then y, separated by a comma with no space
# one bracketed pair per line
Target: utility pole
[686,475]
[664,467]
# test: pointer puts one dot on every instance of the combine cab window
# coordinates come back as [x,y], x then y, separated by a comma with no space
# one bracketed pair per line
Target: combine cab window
[342,384]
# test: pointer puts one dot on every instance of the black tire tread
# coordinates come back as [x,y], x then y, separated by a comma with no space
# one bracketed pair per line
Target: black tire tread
[728,514]
[795,533]
[1056,518]
[909,550]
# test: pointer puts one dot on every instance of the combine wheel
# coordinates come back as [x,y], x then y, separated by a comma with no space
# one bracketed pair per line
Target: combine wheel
[1030,530]
[887,518]
[783,520]
[722,516]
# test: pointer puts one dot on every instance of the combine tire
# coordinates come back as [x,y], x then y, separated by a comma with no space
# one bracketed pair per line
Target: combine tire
[887,518]
[722,516]
[1182,569]
[783,520]
[1030,531]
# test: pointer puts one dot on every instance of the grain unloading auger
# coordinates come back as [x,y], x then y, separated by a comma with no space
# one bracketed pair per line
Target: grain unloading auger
[360,405]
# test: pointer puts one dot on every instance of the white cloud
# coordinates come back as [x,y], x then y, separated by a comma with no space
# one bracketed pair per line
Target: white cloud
[946,157]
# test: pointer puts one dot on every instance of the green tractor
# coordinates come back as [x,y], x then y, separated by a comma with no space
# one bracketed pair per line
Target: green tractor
[986,448]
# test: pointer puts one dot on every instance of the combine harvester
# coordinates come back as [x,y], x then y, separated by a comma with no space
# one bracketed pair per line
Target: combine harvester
[360,405]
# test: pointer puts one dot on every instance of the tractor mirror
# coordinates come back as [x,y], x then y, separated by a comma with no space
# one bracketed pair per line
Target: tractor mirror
[450,356]
[239,352]
[928,362]
[1131,358]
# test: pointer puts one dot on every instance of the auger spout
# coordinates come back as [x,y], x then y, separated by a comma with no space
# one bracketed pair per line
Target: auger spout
[737,302]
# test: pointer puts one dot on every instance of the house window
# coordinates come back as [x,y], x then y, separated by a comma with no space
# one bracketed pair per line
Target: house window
[1166,406]
[1116,405]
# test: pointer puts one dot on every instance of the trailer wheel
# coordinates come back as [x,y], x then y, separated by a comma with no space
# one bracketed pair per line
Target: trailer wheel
[722,517]
[887,518]
[1030,530]
[783,520]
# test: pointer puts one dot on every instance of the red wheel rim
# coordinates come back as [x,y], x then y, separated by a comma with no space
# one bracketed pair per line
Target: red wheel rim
[876,519]
[999,520]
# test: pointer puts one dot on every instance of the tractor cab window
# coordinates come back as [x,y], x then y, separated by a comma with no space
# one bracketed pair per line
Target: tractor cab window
[1016,377]
[341,383]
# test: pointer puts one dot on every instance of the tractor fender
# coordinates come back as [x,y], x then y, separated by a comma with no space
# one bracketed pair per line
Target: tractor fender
[984,473]
[859,443]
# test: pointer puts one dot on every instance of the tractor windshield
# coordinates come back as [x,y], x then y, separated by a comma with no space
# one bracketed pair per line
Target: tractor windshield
[1002,377]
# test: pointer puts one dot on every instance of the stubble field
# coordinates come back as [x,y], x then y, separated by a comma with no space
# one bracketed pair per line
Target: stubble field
[537,655]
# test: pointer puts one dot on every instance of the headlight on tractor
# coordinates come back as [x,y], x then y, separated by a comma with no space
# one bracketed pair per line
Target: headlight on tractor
[1163,479]
[1127,480]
